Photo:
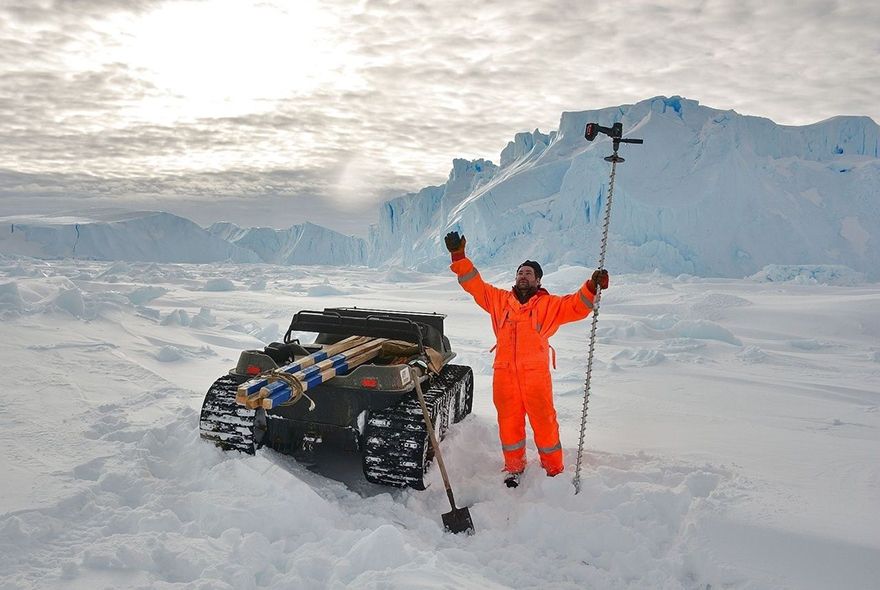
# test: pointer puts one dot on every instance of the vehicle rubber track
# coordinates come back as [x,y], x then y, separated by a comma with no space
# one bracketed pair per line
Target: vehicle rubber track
[397,449]
[224,422]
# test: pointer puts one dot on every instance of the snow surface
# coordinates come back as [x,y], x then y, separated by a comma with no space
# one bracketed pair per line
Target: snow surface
[734,424]
[732,439]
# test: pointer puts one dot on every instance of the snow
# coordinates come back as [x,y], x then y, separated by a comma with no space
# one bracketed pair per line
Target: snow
[143,295]
[731,442]
[733,421]
[828,274]
[219,284]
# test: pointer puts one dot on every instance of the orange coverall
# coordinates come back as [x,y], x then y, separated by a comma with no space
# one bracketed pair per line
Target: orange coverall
[521,384]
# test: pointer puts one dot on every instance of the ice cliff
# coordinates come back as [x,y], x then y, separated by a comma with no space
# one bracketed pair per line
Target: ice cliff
[146,236]
[162,237]
[306,243]
[710,193]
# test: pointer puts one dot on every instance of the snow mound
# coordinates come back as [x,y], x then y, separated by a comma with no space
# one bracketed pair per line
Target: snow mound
[118,268]
[71,301]
[324,290]
[169,354]
[145,294]
[204,319]
[268,333]
[715,306]
[825,274]
[219,285]
[809,344]
[397,274]
[705,330]
[178,317]
[752,354]
[149,313]
[10,298]
[669,326]
[641,357]
[18,270]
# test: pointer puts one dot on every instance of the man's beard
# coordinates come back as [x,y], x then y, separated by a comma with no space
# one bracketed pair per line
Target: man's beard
[524,291]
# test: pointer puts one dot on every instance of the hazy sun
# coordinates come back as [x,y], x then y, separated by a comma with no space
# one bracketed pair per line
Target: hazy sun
[223,58]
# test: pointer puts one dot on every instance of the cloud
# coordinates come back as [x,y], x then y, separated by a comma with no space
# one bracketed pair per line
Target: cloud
[396,89]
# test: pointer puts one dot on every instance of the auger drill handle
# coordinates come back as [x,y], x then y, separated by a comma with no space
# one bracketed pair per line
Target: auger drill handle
[594,129]
[615,132]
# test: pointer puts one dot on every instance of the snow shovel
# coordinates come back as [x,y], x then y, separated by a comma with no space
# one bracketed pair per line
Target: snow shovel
[457,520]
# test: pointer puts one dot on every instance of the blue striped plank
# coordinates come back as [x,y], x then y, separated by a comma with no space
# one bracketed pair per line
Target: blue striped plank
[254,385]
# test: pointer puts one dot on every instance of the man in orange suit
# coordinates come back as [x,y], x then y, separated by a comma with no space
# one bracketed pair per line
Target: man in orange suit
[523,319]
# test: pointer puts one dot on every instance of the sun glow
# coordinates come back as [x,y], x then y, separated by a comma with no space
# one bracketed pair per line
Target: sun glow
[210,59]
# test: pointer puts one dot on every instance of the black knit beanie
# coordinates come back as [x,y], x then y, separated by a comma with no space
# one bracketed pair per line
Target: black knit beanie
[534,265]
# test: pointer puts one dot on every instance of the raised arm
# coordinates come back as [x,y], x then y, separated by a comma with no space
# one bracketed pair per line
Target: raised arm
[469,278]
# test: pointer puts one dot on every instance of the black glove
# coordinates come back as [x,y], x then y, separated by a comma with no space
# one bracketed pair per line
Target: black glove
[455,243]
[600,277]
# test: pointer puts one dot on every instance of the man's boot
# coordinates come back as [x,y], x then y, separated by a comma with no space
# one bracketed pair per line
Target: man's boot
[511,478]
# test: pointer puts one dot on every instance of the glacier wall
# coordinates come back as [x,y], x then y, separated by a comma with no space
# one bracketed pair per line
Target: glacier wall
[409,218]
[134,236]
[162,237]
[710,193]
[304,244]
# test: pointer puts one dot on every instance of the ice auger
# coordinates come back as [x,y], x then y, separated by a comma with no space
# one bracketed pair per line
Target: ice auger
[615,132]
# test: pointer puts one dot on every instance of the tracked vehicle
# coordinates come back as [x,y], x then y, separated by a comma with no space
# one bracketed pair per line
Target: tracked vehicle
[340,400]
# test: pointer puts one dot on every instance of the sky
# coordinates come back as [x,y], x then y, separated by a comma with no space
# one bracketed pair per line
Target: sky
[276,113]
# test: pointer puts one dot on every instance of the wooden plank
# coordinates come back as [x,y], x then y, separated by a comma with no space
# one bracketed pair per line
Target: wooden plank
[335,360]
[249,388]
[284,394]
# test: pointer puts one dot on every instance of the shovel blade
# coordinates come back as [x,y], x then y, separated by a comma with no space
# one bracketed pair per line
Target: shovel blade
[458,520]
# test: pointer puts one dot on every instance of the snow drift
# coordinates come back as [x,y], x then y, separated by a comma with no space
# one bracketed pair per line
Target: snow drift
[731,443]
